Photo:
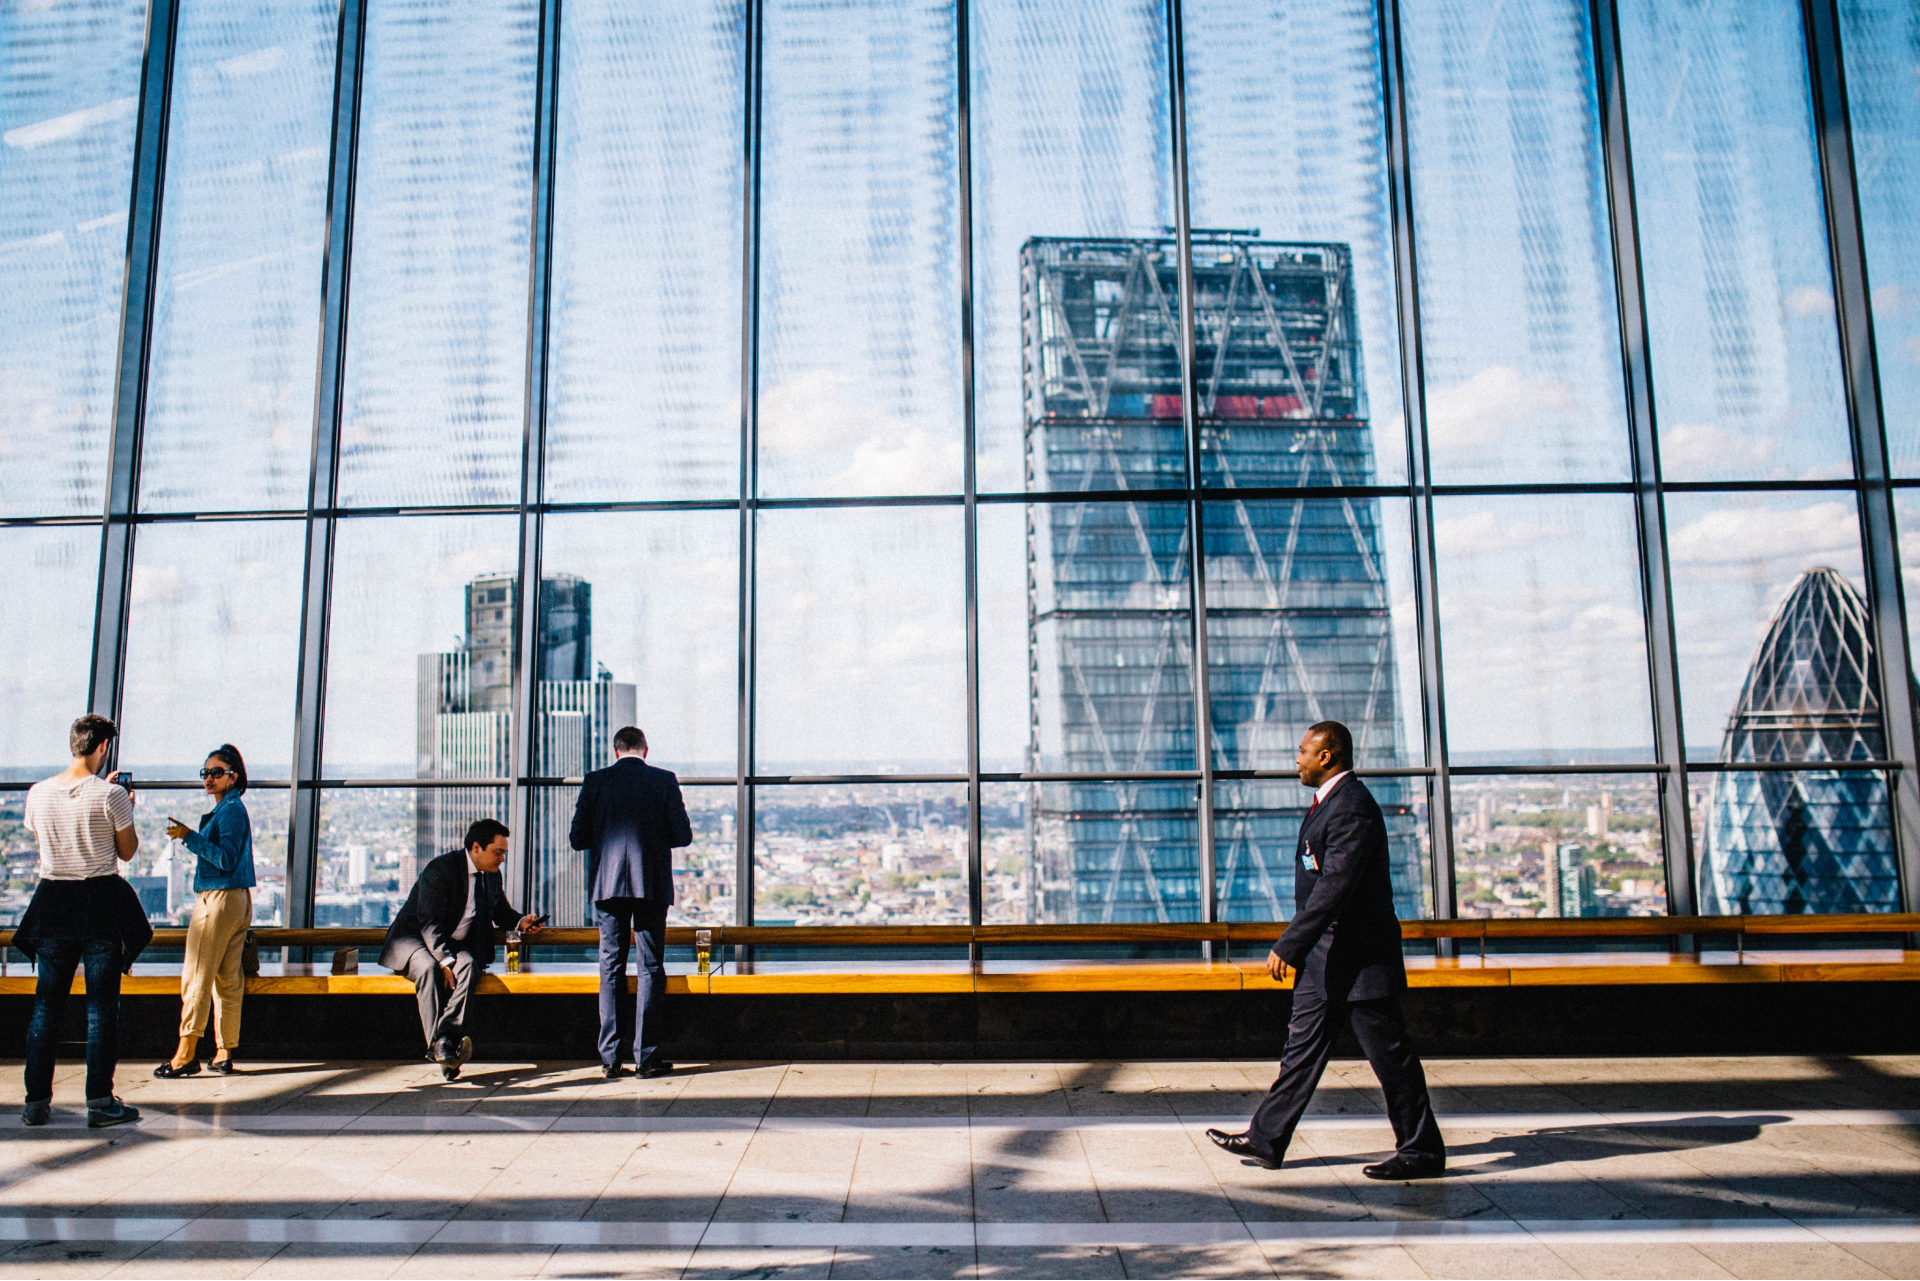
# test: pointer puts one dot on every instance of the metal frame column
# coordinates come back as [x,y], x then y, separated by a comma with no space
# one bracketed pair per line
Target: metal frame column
[1196,507]
[1419,467]
[970,481]
[1833,132]
[533,481]
[749,465]
[130,384]
[1650,510]
[303,829]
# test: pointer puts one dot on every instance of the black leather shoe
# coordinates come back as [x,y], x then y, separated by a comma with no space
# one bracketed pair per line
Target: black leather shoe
[612,1070]
[653,1067]
[168,1072]
[1242,1145]
[223,1066]
[1407,1165]
[449,1070]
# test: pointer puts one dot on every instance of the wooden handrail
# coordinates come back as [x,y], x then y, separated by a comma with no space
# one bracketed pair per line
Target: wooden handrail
[1138,932]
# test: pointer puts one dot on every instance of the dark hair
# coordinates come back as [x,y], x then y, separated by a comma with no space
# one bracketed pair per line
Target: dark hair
[1336,738]
[630,739]
[483,831]
[229,755]
[89,732]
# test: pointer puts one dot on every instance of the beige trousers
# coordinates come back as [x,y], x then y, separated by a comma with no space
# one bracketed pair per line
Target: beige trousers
[212,969]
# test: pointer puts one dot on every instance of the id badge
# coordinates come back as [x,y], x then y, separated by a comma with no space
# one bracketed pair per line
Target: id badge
[1312,863]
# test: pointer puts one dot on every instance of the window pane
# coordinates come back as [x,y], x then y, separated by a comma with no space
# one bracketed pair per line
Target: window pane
[213,646]
[703,873]
[67,114]
[1293,149]
[1746,365]
[237,318]
[883,854]
[1882,40]
[1544,648]
[1737,561]
[1256,829]
[1086,627]
[1070,139]
[46,651]
[859,239]
[162,873]
[375,840]
[647,224]
[861,631]
[1108,853]
[672,632]
[448,654]
[1906,518]
[1311,617]
[1522,339]
[1558,845]
[437,338]
[1797,841]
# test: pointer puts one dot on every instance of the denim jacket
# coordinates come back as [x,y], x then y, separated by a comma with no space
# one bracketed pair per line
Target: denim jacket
[224,845]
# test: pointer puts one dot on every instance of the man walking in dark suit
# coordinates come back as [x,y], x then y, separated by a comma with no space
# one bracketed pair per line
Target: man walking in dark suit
[629,820]
[444,934]
[1344,945]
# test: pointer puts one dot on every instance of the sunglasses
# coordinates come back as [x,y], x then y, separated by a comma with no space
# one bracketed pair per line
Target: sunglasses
[218,773]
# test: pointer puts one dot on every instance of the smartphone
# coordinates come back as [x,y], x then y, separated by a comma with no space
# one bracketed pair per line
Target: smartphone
[124,778]
[540,919]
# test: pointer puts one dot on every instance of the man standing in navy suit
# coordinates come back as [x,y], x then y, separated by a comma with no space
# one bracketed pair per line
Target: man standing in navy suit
[629,820]
[1344,946]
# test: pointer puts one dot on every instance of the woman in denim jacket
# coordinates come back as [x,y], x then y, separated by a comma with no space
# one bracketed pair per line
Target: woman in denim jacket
[222,911]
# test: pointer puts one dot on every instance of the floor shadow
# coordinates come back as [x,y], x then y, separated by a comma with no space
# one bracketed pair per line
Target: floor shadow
[1577,1143]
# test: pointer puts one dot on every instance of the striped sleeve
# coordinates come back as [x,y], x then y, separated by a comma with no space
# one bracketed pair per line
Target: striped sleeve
[119,807]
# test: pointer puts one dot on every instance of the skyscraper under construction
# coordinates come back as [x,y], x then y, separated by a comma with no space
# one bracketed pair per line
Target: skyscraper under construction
[1298,620]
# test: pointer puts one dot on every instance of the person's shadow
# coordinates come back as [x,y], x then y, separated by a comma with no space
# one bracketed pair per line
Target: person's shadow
[1573,1143]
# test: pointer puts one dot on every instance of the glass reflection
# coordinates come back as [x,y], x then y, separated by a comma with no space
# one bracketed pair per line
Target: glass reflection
[1881,39]
[1070,139]
[244,224]
[67,108]
[1291,149]
[1545,653]
[1558,845]
[370,852]
[1746,363]
[46,651]
[646,224]
[859,378]
[861,635]
[871,854]
[1522,339]
[435,385]
[213,643]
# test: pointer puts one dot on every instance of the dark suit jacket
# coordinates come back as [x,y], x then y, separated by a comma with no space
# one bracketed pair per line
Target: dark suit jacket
[1344,938]
[434,907]
[630,819]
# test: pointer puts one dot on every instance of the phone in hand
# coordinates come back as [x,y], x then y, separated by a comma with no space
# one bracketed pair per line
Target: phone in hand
[538,921]
[124,778]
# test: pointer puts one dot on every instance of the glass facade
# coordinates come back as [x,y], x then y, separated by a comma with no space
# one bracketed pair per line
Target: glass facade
[973,439]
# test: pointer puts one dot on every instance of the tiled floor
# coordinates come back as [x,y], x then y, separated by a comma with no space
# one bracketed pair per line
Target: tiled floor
[1628,1167]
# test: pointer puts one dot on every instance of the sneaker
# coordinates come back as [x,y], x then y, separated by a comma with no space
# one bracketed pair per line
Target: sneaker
[109,1111]
[36,1113]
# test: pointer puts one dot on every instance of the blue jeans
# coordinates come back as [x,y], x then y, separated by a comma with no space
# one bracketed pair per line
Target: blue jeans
[646,920]
[57,960]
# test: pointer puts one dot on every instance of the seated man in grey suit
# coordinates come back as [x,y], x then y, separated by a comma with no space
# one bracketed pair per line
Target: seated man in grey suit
[629,820]
[444,934]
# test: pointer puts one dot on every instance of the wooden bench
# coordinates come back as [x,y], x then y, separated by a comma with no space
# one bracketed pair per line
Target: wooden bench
[1237,964]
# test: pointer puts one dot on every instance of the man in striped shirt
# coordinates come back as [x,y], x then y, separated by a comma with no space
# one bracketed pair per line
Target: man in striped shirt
[85,828]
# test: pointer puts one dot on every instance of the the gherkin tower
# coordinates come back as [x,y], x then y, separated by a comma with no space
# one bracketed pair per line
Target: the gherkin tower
[1809,840]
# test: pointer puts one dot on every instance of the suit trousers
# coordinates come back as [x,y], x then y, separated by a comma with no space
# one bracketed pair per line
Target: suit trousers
[1382,1032]
[646,921]
[443,1018]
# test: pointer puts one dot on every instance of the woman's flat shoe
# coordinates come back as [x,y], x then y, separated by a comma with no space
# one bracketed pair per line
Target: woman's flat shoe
[223,1066]
[167,1071]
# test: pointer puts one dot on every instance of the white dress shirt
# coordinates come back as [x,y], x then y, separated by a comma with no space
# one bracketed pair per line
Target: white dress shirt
[1319,794]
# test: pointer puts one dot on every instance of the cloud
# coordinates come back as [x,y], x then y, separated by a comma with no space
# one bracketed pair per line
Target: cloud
[1891,300]
[1910,349]
[1809,300]
[1481,534]
[1743,535]
[1711,448]
[1490,404]
[819,415]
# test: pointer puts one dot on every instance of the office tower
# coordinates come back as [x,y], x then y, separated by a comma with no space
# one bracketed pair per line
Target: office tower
[1298,628]
[1808,840]
[465,729]
[1567,881]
